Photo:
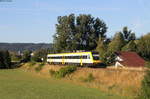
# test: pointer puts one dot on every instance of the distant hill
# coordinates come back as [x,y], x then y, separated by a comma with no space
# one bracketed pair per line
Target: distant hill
[24,46]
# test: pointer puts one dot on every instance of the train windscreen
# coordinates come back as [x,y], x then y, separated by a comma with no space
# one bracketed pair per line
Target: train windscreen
[95,55]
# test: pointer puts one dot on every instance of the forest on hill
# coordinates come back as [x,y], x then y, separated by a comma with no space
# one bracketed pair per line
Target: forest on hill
[24,46]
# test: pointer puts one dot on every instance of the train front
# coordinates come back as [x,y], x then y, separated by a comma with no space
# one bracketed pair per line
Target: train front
[96,59]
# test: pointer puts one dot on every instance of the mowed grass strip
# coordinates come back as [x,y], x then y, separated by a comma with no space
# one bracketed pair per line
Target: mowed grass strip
[17,84]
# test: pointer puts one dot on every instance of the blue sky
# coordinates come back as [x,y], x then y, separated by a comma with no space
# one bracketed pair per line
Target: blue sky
[34,20]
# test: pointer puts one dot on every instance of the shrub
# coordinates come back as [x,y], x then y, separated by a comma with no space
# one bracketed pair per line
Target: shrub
[89,78]
[39,67]
[145,90]
[52,72]
[63,71]
[31,64]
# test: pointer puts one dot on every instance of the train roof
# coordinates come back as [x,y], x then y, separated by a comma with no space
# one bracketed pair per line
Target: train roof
[75,53]
[71,53]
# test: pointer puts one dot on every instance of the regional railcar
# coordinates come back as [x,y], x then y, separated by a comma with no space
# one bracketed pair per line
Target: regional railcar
[77,58]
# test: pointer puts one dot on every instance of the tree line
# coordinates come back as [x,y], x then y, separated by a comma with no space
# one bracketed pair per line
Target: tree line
[85,32]
[20,47]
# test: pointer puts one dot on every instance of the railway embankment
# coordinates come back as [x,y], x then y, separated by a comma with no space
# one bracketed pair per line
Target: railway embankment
[126,82]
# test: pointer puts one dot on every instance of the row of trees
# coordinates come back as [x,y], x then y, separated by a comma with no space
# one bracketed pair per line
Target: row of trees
[11,59]
[120,43]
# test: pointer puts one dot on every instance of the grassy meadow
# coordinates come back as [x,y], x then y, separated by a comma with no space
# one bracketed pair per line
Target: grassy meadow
[18,84]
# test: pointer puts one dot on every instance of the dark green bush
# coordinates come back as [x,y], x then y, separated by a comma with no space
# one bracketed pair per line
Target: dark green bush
[63,71]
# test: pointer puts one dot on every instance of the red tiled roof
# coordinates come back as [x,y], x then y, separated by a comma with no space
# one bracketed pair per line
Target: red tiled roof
[131,59]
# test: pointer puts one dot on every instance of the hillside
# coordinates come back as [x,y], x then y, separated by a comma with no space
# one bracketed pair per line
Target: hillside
[24,46]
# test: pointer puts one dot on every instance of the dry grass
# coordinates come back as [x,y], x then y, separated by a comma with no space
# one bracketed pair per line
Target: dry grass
[124,82]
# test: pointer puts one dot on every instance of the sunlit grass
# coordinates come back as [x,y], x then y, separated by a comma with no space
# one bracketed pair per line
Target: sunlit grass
[17,84]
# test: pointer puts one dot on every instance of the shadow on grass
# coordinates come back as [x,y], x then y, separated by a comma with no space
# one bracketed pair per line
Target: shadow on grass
[101,65]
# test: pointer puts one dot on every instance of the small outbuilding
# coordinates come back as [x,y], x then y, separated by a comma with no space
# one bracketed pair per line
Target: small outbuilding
[129,59]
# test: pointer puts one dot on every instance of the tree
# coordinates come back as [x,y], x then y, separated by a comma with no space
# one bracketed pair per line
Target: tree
[15,57]
[39,55]
[78,33]
[132,37]
[143,46]
[128,34]
[102,49]
[131,46]
[117,43]
[5,60]
[26,56]
[114,46]
[89,31]
[65,31]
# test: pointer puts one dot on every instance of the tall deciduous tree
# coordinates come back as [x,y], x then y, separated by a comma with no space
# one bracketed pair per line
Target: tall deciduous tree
[65,31]
[114,46]
[78,33]
[102,49]
[117,43]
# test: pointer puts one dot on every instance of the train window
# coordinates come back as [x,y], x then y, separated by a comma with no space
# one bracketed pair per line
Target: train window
[70,57]
[56,57]
[75,57]
[95,57]
[84,57]
[88,57]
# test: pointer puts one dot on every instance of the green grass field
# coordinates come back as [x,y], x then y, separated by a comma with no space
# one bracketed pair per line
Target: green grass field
[17,84]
